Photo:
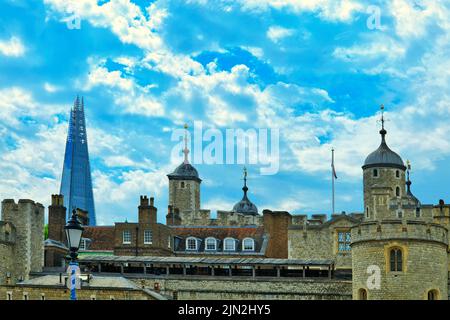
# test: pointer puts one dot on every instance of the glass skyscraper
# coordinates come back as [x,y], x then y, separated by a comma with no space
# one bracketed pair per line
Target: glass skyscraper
[76,182]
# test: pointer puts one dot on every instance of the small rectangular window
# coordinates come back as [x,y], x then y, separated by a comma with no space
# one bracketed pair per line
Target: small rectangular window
[126,237]
[148,237]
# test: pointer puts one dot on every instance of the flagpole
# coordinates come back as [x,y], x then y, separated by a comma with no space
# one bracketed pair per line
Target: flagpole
[332,180]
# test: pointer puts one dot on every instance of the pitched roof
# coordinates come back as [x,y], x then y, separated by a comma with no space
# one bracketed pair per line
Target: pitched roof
[102,237]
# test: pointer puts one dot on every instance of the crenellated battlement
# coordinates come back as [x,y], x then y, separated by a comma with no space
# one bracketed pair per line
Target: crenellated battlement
[399,230]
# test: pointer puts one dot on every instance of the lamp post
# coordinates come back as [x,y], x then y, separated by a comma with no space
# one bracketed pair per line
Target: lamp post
[73,230]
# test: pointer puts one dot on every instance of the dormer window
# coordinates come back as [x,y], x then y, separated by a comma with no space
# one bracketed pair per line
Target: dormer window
[211,244]
[417,212]
[191,244]
[248,244]
[375,173]
[229,244]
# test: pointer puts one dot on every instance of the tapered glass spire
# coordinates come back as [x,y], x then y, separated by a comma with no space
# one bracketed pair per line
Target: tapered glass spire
[76,182]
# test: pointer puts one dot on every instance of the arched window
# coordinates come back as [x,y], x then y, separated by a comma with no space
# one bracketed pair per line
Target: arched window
[397,174]
[375,173]
[397,191]
[211,244]
[229,244]
[362,294]
[396,259]
[433,295]
[191,243]
[248,244]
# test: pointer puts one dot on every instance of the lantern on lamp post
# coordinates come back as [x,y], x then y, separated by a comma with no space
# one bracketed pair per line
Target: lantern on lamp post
[74,231]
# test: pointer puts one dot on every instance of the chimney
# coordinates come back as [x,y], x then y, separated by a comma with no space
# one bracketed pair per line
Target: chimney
[57,218]
[147,211]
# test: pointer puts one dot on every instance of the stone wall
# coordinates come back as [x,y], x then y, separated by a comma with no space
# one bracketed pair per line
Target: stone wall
[243,289]
[313,242]
[28,251]
[424,253]
[61,293]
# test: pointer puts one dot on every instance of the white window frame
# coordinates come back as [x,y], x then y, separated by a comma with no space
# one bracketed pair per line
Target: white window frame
[187,244]
[208,240]
[128,232]
[146,237]
[252,242]
[225,241]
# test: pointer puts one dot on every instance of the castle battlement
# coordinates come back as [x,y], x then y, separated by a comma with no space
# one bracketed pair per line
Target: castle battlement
[397,229]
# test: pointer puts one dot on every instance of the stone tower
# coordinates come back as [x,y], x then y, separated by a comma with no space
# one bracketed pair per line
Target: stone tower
[396,253]
[28,252]
[383,179]
[184,185]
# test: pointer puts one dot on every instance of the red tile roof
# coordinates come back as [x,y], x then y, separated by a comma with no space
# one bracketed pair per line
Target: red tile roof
[102,237]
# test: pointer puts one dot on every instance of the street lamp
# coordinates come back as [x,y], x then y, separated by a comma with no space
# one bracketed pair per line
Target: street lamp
[73,230]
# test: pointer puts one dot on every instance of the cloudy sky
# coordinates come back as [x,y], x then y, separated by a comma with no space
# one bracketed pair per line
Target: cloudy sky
[317,70]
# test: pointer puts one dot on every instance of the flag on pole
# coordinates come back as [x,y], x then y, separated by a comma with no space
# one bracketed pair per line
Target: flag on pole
[332,165]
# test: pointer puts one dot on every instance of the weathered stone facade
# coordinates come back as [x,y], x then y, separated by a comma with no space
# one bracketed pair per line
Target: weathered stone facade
[319,239]
[244,289]
[21,240]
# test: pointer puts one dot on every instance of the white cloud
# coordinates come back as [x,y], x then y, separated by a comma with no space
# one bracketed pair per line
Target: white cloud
[276,33]
[12,47]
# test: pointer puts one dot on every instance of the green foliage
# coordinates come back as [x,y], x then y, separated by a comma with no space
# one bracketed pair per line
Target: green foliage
[46,232]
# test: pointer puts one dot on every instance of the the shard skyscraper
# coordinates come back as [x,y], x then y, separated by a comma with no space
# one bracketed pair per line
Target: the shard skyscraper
[76,182]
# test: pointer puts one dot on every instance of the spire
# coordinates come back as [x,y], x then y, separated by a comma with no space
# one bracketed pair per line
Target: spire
[186,150]
[408,181]
[245,189]
[382,120]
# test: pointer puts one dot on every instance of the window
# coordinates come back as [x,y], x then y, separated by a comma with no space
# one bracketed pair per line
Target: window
[397,174]
[229,244]
[126,237]
[397,191]
[399,214]
[9,296]
[396,260]
[367,212]
[211,244]
[248,244]
[191,244]
[375,173]
[83,244]
[182,185]
[42,296]
[25,296]
[148,237]
[417,212]
[344,239]
[362,294]
[433,295]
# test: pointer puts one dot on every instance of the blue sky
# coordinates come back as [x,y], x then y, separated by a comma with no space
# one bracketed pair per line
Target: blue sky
[314,70]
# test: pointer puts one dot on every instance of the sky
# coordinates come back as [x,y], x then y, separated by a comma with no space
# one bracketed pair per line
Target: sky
[315,70]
